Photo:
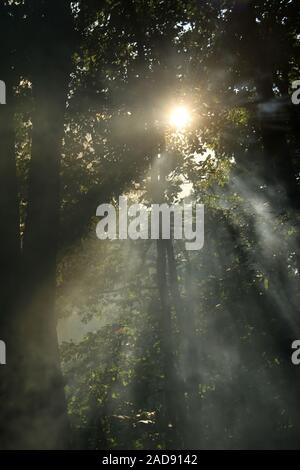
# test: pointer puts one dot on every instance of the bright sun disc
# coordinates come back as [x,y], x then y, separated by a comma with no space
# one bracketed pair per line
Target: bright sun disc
[179,117]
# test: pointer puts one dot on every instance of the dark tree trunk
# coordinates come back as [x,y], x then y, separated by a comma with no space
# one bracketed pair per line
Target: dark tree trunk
[171,405]
[9,234]
[279,168]
[44,407]
[9,270]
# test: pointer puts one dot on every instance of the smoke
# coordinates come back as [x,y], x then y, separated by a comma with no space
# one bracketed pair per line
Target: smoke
[239,305]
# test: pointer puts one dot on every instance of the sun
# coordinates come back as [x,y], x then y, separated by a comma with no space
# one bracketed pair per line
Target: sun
[179,117]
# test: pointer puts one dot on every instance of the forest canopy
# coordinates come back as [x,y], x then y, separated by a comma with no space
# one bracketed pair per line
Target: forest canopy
[144,344]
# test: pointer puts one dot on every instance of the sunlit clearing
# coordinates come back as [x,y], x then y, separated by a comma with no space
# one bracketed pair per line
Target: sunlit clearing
[180,117]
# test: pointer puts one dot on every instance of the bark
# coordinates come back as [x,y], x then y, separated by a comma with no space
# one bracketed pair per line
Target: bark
[9,269]
[44,414]
[172,404]
[9,232]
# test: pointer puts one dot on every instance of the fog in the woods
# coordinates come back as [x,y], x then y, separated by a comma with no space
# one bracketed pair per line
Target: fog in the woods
[147,343]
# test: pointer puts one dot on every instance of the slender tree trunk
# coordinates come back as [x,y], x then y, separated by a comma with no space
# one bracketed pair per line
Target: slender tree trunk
[9,270]
[172,406]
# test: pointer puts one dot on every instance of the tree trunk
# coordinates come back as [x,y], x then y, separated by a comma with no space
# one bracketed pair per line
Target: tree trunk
[44,414]
[9,270]
[172,405]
